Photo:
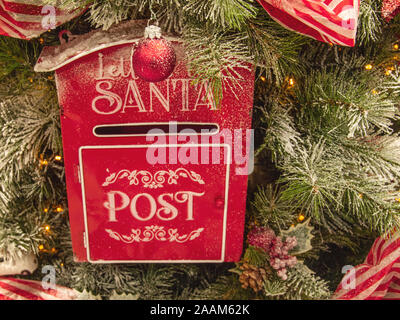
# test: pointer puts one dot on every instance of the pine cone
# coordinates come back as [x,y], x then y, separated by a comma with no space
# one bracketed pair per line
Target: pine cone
[252,277]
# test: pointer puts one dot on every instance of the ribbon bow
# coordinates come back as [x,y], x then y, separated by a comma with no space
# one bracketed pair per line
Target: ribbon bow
[332,21]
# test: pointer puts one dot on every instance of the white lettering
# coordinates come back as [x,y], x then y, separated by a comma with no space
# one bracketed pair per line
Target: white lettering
[152,203]
[110,205]
[162,209]
[109,96]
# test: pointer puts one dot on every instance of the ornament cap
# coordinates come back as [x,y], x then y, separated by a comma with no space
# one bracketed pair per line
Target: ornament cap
[152,32]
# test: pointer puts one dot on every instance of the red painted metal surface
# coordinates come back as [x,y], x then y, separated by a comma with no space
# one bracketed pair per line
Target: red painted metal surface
[123,207]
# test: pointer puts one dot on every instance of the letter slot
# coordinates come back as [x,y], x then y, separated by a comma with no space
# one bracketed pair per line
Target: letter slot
[144,129]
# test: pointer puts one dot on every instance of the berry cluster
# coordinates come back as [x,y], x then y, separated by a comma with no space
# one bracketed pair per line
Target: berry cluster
[277,249]
[279,255]
[261,237]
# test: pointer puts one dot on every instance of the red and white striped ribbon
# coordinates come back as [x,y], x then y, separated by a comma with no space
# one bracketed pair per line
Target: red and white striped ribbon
[332,21]
[378,278]
[23,18]
[20,289]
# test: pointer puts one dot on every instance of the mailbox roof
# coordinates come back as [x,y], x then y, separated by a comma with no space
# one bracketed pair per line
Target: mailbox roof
[55,57]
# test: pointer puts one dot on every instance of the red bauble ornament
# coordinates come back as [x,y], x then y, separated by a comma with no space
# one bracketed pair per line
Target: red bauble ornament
[154,58]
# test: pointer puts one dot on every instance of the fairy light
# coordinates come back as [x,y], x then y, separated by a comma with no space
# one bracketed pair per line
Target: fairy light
[58,158]
[44,162]
[290,82]
[301,217]
[59,208]
[360,195]
[368,66]
[53,250]
[41,247]
[374,92]
[396,46]
[46,210]
[263,79]
[46,228]
[389,70]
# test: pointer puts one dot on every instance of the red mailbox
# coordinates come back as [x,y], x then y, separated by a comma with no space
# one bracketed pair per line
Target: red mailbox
[155,172]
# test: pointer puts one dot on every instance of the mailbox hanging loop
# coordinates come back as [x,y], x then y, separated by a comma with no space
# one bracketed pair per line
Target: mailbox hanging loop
[153,17]
[152,31]
[67,33]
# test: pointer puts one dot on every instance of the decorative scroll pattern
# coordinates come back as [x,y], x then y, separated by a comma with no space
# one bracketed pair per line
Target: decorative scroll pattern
[153,181]
[154,233]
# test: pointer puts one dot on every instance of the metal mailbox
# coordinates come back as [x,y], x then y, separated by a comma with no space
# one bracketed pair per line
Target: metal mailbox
[155,172]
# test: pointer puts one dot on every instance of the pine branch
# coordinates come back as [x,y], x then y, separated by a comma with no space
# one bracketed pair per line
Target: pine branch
[216,57]
[370,23]
[347,103]
[16,65]
[224,288]
[303,284]
[30,127]
[280,134]
[105,13]
[227,14]
[22,227]
[275,48]
[319,184]
[269,208]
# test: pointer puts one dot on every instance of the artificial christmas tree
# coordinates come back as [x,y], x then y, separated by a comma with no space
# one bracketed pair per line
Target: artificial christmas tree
[327,148]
